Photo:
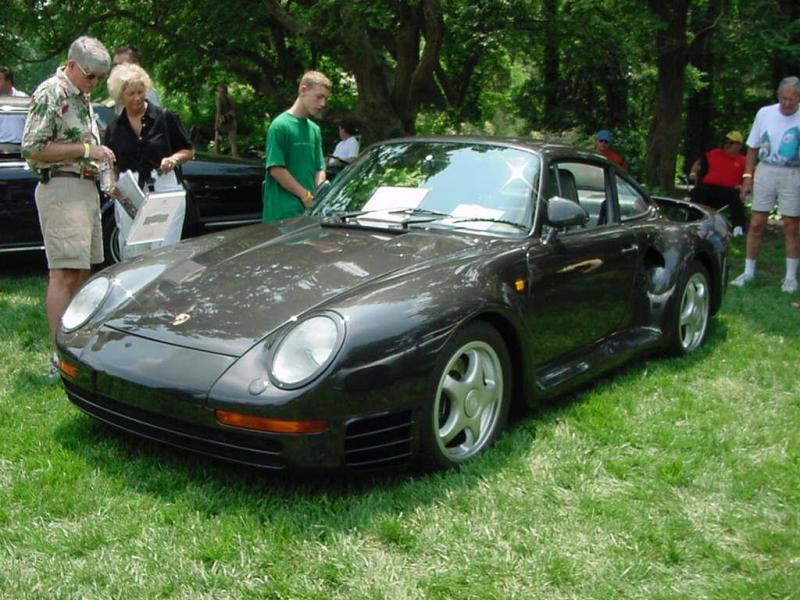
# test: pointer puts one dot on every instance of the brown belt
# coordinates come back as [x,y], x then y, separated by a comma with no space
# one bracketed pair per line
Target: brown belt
[87,176]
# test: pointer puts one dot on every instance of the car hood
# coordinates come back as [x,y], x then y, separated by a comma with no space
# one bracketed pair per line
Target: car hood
[227,298]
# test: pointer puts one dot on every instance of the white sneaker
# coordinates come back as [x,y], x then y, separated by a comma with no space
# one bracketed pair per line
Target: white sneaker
[789,286]
[737,231]
[743,279]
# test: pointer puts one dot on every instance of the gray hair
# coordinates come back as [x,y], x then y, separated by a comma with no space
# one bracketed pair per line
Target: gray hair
[125,75]
[789,82]
[90,54]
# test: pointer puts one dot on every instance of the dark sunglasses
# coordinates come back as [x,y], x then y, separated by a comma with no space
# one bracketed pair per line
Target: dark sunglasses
[89,75]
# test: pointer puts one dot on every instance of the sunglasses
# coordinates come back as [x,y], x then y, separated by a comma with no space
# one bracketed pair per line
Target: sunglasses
[88,74]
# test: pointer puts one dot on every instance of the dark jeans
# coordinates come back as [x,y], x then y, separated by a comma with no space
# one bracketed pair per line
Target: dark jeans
[718,197]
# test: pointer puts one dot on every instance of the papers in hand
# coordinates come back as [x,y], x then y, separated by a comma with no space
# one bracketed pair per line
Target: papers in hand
[129,195]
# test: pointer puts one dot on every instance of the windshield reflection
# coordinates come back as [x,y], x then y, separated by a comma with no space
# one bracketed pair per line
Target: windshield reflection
[438,184]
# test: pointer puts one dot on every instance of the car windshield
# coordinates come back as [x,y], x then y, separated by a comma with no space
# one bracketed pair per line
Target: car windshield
[466,185]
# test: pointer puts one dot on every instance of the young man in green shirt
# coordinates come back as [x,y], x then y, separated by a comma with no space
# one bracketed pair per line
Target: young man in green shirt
[295,163]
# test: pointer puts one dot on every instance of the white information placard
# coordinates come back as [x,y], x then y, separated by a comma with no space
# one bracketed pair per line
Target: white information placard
[157,217]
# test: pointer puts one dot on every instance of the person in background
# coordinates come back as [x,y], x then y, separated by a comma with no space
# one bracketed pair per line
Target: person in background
[145,138]
[148,140]
[346,150]
[774,141]
[7,83]
[602,143]
[61,143]
[225,121]
[717,176]
[294,160]
[10,125]
[131,55]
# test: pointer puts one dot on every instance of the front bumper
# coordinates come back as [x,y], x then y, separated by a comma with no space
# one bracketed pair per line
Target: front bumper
[368,429]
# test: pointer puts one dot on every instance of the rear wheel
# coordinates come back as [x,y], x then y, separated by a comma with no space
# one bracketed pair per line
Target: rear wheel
[471,397]
[691,312]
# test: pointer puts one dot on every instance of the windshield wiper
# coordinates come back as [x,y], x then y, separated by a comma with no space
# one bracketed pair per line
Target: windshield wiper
[419,211]
[490,220]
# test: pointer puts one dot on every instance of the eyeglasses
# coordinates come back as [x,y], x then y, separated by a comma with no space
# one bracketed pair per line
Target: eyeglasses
[89,75]
[603,141]
[730,143]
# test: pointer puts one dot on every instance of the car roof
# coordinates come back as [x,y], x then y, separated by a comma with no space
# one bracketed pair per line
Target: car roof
[541,147]
[14,104]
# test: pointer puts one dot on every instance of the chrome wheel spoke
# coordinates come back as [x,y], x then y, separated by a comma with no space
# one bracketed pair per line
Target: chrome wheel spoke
[469,401]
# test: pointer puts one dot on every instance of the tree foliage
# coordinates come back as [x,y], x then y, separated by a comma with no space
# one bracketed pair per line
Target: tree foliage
[669,78]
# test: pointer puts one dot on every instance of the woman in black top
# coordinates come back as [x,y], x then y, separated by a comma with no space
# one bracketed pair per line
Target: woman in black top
[144,137]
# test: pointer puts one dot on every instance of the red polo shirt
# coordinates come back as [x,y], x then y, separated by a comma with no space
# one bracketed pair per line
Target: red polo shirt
[724,170]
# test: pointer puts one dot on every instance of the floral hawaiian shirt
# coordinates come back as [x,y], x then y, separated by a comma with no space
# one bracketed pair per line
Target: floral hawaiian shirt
[59,112]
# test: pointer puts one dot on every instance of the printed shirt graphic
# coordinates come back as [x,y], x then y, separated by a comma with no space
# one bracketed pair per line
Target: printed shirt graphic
[59,113]
[776,136]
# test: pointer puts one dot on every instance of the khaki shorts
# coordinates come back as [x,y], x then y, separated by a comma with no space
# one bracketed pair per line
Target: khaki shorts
[777,183]
[69,216]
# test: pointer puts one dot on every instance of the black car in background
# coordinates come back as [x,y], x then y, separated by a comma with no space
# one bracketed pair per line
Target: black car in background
[223,193]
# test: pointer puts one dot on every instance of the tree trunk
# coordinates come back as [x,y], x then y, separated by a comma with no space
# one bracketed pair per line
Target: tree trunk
[552,114]
[665,129]
[699,135]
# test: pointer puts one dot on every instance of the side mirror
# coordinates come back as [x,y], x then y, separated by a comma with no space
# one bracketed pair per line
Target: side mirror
[563,213]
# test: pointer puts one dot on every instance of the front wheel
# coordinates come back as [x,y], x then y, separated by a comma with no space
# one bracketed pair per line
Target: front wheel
[471,397]
[691,313]
[112,249]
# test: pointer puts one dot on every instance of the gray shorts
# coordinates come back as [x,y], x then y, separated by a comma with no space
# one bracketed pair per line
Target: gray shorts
[777,183]
[69,217]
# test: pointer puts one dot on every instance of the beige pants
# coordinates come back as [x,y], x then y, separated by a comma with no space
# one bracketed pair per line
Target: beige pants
[69,216]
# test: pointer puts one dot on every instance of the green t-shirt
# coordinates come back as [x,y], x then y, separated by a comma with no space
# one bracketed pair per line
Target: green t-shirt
[296,144]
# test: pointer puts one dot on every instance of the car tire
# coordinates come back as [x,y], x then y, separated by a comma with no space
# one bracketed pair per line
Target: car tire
[691,312]
[471,387]
[112,252]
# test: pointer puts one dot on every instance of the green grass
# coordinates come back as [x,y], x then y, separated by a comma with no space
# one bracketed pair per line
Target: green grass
[674,478]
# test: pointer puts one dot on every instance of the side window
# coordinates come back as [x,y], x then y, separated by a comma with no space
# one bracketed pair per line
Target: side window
[631,202]
[585,184]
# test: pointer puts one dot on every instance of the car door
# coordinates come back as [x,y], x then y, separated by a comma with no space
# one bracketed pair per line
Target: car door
[19,221]
[581,279]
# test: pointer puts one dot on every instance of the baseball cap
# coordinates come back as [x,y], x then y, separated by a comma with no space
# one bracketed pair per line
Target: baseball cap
[604,135]
[734,136]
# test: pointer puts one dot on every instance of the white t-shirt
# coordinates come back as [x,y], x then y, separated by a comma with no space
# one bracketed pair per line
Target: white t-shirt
[346,148]
[776,136]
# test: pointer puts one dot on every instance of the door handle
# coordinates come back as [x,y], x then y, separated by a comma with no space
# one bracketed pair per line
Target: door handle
[631,248]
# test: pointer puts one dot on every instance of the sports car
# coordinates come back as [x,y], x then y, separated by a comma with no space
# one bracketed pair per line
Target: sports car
[436,283]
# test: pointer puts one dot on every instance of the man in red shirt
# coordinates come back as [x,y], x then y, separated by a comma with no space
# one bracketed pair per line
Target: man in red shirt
[602,143]
[718,177]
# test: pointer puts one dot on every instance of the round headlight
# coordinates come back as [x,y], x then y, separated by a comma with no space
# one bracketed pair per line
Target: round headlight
[85,303]
[306,350]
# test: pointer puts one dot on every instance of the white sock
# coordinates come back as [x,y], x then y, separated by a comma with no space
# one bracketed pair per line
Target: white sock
[791,268]
[750,266]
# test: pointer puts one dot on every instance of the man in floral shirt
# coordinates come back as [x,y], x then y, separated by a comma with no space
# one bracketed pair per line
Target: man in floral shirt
[62,145]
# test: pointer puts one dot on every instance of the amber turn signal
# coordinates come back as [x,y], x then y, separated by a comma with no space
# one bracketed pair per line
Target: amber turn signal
[235,419]
[519,285]
[67,369]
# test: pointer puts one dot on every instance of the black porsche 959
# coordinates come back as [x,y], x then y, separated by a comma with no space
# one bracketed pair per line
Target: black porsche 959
[434,284]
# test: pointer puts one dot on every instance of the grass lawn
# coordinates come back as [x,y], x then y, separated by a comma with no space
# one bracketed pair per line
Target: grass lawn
[675,478]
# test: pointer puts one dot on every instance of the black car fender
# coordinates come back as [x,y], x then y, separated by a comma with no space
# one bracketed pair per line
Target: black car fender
[665,256]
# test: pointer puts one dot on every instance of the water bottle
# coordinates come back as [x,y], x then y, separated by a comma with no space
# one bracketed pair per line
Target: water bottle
[108,179]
